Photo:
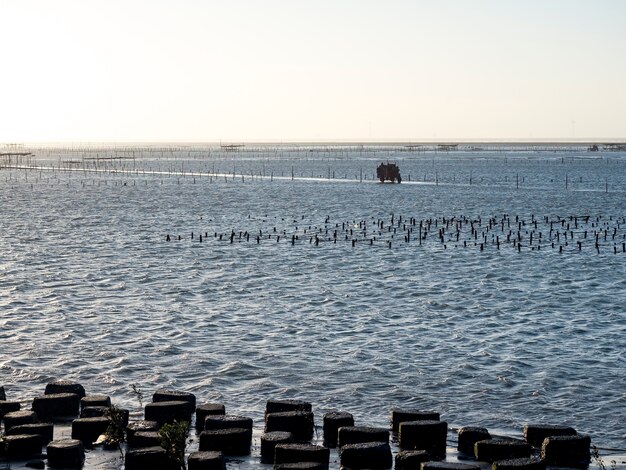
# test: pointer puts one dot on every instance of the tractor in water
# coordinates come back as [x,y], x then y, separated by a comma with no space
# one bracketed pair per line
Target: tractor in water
[388,172]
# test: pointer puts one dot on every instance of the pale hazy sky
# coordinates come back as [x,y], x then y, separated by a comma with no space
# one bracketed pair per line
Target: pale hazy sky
[202,70]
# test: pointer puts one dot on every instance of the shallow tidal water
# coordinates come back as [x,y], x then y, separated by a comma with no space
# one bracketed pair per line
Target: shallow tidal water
[90,289]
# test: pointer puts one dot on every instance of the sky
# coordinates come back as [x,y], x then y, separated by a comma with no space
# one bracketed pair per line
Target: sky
[323,70]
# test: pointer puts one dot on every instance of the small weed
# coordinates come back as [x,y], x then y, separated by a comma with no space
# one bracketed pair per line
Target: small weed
[600,461]
[174,441]
[115,433]
[138,394]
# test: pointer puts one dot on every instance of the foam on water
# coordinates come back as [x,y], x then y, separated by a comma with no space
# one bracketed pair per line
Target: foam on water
[91,291]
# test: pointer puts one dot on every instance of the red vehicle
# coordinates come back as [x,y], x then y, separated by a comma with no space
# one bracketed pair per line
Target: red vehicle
[388,172]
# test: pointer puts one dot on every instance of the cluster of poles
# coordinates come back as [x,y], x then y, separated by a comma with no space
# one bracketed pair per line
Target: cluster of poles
[571,233]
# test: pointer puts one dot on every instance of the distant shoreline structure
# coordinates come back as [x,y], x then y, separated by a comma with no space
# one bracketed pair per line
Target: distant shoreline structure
[326,146]
[242,143]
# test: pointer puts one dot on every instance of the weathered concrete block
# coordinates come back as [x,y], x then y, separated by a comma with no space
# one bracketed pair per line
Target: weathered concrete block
[144,439]
[65,386]
[298,423]
[332,422]
[36,463]
[536,433]
[175,395]
[153,458]
[399,415]
[532,463]
[280,406]
[231,442]
[94,411]
[168,412]
[95,400]
[138,426]
[57,405]
[410,459]
[491,450]
[66,453]
[292,453]
[208,409]
[9,407]
[470,435]
[450,466]
[45,430]
[372,455]
[567,451]
[88,430]
[269,440]
[424,435]
[22,446]
[15,418]
[214,422]
[361,434]
[206,461]
[103,411]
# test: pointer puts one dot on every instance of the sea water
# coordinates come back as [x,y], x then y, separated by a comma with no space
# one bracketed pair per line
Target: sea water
[92,291]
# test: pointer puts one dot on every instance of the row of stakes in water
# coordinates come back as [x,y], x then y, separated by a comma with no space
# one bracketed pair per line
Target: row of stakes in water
[565,233]
[419,438]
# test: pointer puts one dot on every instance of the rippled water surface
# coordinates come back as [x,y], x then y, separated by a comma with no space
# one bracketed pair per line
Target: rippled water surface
[91,290]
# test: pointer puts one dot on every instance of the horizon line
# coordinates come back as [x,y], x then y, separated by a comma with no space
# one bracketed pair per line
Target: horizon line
[347,141]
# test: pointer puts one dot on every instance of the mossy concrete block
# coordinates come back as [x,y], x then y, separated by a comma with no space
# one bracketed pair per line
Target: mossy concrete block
[66,453]
[428,435]
[299,423]
[280,406]
[470,435]
[231,442]
[531,463]
[567,451]
[9,407]
[208,409]
[138,426]
[491,450]
[292,453]
[168,412]
[450,466]
[332,422]
[153,458]
[144,439]
[372,455]
[95,400]
[22,446]
[410,459]
[57,405]
[206,461]
[360,434]
[536,433]
[16,418]
[399,415]
[214,422]
[65,386]
[45,430]
[88,430]
[175,395]
[269,440]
